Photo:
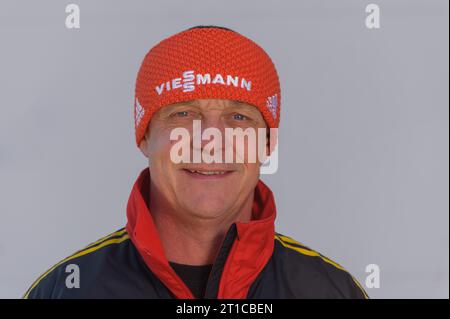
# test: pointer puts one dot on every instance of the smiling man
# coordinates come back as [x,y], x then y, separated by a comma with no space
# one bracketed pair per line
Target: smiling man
[196,203]
[201,229]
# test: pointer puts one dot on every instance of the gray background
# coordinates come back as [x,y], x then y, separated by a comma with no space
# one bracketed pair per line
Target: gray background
[363,174]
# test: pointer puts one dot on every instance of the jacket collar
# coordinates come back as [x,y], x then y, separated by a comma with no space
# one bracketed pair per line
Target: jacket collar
[249,253]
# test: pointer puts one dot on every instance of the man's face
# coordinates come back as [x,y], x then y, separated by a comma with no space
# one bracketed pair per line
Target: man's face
[200,189]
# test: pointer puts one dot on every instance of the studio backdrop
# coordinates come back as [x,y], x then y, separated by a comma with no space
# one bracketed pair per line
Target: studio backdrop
[362,170]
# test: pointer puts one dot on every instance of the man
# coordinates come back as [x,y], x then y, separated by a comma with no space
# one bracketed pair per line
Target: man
[201,229]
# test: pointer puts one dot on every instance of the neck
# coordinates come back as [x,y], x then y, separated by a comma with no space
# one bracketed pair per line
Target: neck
[188,239]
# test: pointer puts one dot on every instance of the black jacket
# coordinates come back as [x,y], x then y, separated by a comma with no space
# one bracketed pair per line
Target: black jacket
[254,262]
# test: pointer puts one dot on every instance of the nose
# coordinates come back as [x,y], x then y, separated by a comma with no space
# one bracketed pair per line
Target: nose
[212,133]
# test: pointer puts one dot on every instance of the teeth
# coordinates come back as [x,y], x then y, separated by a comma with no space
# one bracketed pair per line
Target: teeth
[207,172]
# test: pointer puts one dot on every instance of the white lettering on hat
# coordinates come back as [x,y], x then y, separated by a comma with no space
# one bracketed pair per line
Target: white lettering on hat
[138,112]
[189,80]
[272,104]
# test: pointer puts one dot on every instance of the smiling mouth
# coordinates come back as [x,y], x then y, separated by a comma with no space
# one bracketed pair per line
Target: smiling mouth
[207,173]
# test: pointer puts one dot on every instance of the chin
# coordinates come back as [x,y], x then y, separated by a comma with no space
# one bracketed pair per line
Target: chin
[208,207]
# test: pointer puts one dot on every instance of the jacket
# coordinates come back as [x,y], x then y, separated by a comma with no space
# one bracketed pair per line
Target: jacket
[253,262]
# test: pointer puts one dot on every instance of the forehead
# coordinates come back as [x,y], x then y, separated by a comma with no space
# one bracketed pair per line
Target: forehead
[217,103]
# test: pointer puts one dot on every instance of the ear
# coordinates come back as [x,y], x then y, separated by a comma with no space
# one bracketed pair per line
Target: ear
[143,145]
[271,142]
[272,139]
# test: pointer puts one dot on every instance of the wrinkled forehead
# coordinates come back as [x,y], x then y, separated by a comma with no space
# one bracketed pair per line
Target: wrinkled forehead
[210,103]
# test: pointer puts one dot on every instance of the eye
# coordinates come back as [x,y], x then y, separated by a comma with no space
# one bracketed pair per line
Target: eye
[239,117]
[181,114]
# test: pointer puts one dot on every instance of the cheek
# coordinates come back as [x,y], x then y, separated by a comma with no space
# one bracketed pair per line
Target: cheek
[252,171]
[252,151]
[160,146]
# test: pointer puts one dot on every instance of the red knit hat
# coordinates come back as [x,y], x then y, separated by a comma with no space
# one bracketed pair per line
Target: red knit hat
[206,62]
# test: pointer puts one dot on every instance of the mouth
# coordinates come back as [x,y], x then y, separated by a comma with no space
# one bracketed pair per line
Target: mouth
[207,173]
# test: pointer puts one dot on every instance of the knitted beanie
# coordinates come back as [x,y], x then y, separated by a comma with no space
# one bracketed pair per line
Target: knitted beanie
[206,62]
